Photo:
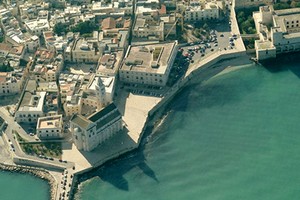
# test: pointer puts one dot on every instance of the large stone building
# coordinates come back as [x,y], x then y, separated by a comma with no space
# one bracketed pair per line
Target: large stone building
[198,11]
[37,27]
[148,28]
[83,51]
[8,84]
[50,127]
[31,106]
[150,64]
[89,132]
[279,31]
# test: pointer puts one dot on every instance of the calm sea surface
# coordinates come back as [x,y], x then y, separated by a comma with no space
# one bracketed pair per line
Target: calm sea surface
[15,186]
[235,137]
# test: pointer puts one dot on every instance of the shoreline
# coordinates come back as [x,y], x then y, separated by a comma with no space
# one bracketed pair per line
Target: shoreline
[37,172]
[157,118]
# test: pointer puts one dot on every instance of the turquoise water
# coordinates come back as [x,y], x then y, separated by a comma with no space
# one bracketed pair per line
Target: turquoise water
[236,136]
[15,186]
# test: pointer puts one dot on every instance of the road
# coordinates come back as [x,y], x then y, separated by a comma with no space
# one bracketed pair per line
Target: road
[12,125]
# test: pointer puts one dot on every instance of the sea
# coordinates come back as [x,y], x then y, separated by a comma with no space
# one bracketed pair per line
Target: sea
[235,136]
[16,186]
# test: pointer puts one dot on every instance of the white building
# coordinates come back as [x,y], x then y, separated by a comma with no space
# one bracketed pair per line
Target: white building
[50,127]
[31,107]
[202,12]
[84,51]
[89,132]
[37,26]
[149,64]
[8,84]
[103,87]
[148,28]
[72,105]
[283,34]
[32,44]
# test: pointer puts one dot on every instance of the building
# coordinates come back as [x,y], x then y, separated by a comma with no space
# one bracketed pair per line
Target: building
[50,127]
[84,51]
[32,44]
[279,31]
[109,64]
[89,132]
[31,105]
[72,105]
[103,89]
[113,40]
[169,25]
[149,64]
[37,26]
[54,41]
[148,28]
[197,11]
[9,84]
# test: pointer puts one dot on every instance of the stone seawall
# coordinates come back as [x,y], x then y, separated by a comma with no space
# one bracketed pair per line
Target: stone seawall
[40,173]
[201,72]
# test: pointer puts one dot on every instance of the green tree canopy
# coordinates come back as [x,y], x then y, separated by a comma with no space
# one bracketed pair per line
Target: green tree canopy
[85,27]
[6,68]
[60,29]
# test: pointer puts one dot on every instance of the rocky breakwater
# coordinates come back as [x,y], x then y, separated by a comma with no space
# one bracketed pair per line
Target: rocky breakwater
[40,173]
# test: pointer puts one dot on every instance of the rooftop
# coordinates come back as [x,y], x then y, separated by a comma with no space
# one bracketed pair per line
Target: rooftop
[50,122]
[150,58]
[108,23]
[81,121]
[32,101]
[100,114]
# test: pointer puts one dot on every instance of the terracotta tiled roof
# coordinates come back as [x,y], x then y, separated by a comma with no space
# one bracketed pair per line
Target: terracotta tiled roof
[109,23]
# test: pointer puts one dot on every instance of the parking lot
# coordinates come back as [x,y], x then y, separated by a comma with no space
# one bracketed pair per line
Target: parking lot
[221,39]
[145,90]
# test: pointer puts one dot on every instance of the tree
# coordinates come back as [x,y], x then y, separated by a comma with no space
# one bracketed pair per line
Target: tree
[6,68]
[295,4]
[279,6]
[205,26]
[85,27]
[60,29]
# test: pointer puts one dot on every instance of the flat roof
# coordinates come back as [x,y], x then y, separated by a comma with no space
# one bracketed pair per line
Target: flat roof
[50,122]
[32,101]
[149,58]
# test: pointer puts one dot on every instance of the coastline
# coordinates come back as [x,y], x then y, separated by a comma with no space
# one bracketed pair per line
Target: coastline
[159,113]
[155,118]
[37,172]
